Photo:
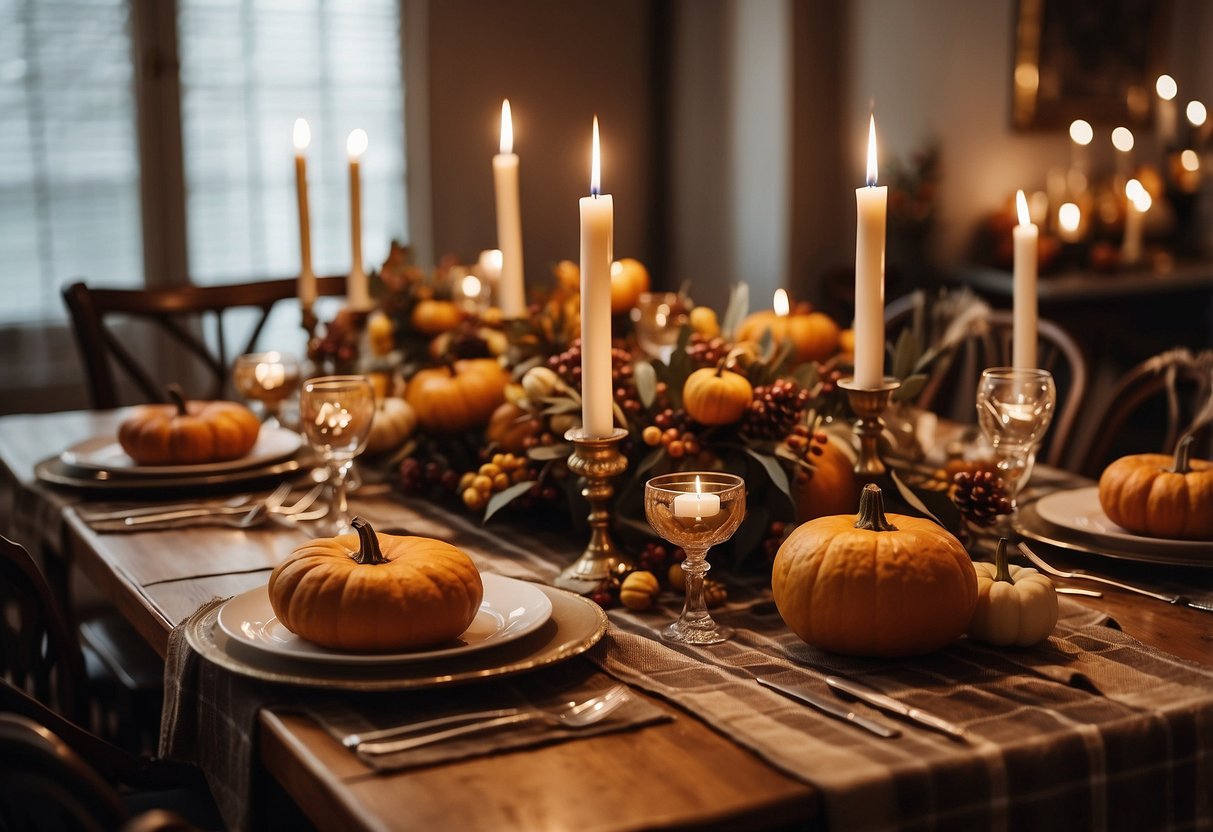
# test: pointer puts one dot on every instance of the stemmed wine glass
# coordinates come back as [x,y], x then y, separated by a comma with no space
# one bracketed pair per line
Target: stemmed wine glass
[267,377]
[695,511]
[335,413]
[1014,409]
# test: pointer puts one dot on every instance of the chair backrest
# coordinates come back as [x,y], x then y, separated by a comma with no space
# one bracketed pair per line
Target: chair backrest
[45,785]
[952,388]
[1151,407]
[39,652]
[177,312]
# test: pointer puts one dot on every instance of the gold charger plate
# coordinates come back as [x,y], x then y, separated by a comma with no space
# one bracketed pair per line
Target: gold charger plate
[576,625]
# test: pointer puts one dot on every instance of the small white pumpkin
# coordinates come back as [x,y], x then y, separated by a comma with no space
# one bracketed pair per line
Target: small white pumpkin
[1015,605]
[394,421]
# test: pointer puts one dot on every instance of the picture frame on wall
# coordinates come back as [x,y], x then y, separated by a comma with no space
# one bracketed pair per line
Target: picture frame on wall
[1090,59]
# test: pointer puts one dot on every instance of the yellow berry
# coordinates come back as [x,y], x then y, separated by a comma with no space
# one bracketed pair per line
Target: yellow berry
[501,482]
[499,460]
[482,483]
[473,499]
[651,435]
[489,470]
[676,448]
[519,475]
[465,482]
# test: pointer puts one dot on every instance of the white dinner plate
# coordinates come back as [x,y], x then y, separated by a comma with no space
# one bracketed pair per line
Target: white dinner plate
[510,609]
[103,453]
[1079,510]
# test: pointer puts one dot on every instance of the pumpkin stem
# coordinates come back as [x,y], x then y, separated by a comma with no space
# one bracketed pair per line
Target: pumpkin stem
[1002,569]
[369,553]
[871,510]
[1183,454]
[177,395]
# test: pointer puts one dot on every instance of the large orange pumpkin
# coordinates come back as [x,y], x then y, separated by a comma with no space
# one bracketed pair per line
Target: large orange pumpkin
[831,488]
[871,585]
[1159,495]
[814,334]
[374,592]
[188,433]
[458,397]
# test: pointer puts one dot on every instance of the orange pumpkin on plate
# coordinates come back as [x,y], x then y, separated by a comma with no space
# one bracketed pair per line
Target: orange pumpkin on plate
[1160,496]
[188,433]
[371,592]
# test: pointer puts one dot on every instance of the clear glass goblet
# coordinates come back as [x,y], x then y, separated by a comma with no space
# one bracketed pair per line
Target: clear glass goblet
[1014,409]
[335,414]
[696,511]
[659,317]
[269,378]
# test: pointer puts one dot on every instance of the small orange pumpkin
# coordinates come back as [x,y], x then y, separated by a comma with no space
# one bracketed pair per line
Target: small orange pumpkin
[629,280]
[871,585]
[457,397]
[1159,495]
[831,488]
[188,432]
[509,426]
[814,334]
[716,396]
[433,317]
[375,592]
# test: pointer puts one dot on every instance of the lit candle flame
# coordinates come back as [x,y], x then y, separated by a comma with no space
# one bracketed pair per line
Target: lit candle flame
[1143,202]
[1134,189]
[1197,113]
[698,486]
[356,144]
[1166,87]
[1122,139]
[782,305]
[595,164]
[1081,132]
[1190,161]
[302,135]
[471,286]
[1021,208]
[1069,217]
[871,150]
[507,128]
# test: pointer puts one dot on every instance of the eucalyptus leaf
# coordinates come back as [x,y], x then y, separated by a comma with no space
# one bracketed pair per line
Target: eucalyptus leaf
[774,471]
[735,312]
[559,406]
[807,374]
[645,378]
[503,498]
[766,344]
[905,353]
[910,388]
[543,453]
[940,510]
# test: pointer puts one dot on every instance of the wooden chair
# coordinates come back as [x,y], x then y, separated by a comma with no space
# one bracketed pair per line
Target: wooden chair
[177,312]
[101,674]
[986,342]
[1151,407]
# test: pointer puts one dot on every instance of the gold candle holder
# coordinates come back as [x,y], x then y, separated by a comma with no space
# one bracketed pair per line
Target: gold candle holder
[868,403]
[597,458]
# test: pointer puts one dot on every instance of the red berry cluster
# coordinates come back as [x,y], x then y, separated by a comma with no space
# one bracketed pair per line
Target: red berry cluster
[567,365]
[418,477]
[777,532]
[775,409]
[706,352]
[671,428]
[807,444]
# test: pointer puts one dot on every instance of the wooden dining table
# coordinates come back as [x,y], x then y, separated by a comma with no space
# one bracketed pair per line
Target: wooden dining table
[680,773]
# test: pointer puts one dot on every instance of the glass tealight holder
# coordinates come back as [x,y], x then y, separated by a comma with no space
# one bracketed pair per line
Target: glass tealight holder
[695,511]
[269,378]
[658,317]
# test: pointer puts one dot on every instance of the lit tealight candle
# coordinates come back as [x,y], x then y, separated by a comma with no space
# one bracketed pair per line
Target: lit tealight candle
[1069,220]
[1139,202]
[698,504]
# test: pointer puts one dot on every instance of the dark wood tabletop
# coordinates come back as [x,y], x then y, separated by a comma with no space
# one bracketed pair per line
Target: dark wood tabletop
[678,774]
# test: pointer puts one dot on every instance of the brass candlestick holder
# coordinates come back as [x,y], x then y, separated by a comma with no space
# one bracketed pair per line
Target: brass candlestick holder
[597,458]
[868,404]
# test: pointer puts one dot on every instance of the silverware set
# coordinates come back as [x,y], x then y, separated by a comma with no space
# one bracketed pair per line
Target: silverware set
[405,737]
[242,512]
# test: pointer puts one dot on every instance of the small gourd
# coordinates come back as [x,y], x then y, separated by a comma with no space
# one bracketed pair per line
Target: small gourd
[1160,496]
[716,396]
[638,590]
[393,422]
[1016,606]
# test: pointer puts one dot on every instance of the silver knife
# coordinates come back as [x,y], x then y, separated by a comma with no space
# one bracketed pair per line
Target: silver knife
[832,708]
[884,702]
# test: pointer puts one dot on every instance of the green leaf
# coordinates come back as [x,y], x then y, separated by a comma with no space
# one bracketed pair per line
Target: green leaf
[684,336]
[807,374]
[735,312]
[905,353]
[560,405]
[940,505]
[645,465]
[503,498]
[646,382]
[910,388]
[542,453]
[774,471]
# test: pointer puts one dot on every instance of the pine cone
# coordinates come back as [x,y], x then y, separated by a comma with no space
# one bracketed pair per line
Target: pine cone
[774,410]
[980,497]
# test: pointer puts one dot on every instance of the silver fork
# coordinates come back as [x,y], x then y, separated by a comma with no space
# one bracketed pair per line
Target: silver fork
[1078,574]
[574,715]
[244,514]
